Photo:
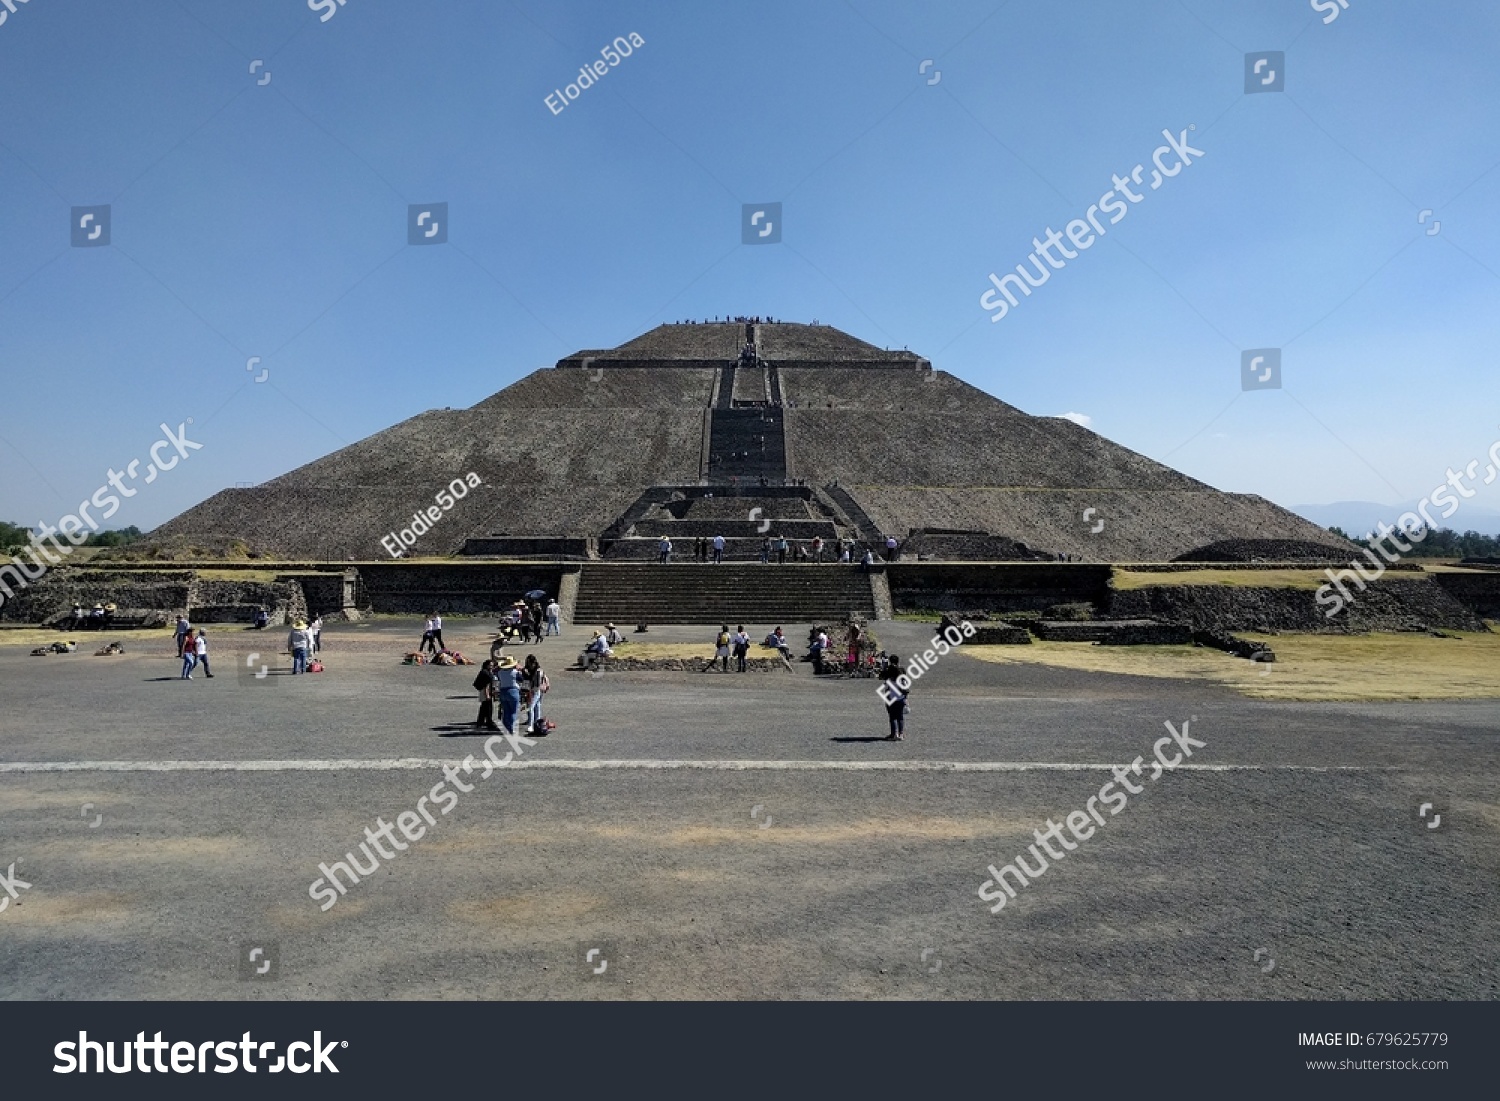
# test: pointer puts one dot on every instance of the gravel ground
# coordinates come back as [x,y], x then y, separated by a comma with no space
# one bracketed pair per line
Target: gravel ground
[719,836]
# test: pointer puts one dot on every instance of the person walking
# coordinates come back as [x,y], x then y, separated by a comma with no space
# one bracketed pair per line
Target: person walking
[297,642]
[184,631]
[485,685]
[437,631]
[200,651]
[895,697]
[664,548]
[508,692]
[536,684]
[741,648]
[189,660]
[538,618]
[426,643]
[554,613]
[718,550]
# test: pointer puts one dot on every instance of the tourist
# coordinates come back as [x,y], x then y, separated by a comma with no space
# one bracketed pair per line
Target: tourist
[261,619]
[718,550]
[184,629]
[664,548]
[612,635]
[538,619]
[315,632]
[765,551]
[297,643]
[779,641]
[485,684]
[76,623]
[554,613]
[867,560]
[890,548]
[721,648]
[595,652]
[536,683]
[200,651]
[189,659]
[817,548]
[741,647]
[426,643]
[851,657]
[437,631]
[781,549]
[96,617]
[895,697]
[508,691]
[698,552]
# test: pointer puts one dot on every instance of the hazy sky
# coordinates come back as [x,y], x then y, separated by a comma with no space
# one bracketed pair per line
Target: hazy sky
[254,217]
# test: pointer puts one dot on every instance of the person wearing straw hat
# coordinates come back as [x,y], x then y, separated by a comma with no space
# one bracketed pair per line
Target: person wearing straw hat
[298,641]
[508,692]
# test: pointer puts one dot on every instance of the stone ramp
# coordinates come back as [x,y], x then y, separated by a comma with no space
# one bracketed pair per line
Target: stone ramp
[628,593]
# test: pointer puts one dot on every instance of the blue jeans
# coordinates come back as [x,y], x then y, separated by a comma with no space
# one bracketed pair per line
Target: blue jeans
[299,661]
[553,628]
[536,707]
[189,661]
[510,704]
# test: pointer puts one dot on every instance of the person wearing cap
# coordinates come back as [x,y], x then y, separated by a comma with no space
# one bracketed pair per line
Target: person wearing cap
[184,628]
[199,647]
[508,691]
[297,641]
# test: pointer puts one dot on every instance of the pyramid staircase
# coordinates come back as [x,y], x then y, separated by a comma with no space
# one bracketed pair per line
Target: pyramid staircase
[737,592]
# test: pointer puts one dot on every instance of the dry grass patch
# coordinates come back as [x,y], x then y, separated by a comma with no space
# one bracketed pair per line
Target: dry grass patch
[1307,667]
[1125,580]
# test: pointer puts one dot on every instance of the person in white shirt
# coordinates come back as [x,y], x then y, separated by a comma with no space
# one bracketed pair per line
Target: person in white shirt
[664,548]
[200,648]
[554,613]
[315,629]
[437,630]
[718,550]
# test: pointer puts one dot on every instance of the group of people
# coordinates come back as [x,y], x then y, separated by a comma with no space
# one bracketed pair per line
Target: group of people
[192,648]
[502,680]
[601,646]
[304,641]
[779,547]
[531,621]
[100,617]
[737,642]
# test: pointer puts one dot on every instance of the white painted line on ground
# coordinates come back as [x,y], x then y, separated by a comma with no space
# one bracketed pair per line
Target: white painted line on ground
[392,764]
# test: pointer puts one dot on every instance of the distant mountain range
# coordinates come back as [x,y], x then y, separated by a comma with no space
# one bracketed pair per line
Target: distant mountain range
[1358,517]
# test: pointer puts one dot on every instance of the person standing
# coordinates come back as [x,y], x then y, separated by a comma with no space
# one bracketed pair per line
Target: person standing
[77,622]
[184,631]
[895,697]
[781,551]
[718,550]
[426,643]
[721,647]
[554,613]
[890,548]
[200,651]
[765,551]
[664,548]
[437,631]
[817,549]
[536,683]
[867,560]
[297,642]
[538,618]
[315,633]
[508,692]
[741,647]
[485,684]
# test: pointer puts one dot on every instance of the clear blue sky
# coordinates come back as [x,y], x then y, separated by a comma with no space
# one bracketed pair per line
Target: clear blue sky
[270,219]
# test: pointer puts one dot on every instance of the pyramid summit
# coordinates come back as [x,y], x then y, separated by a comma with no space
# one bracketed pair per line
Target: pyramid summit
[744,428]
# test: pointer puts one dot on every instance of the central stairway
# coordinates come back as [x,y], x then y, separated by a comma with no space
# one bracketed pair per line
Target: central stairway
[627,593]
